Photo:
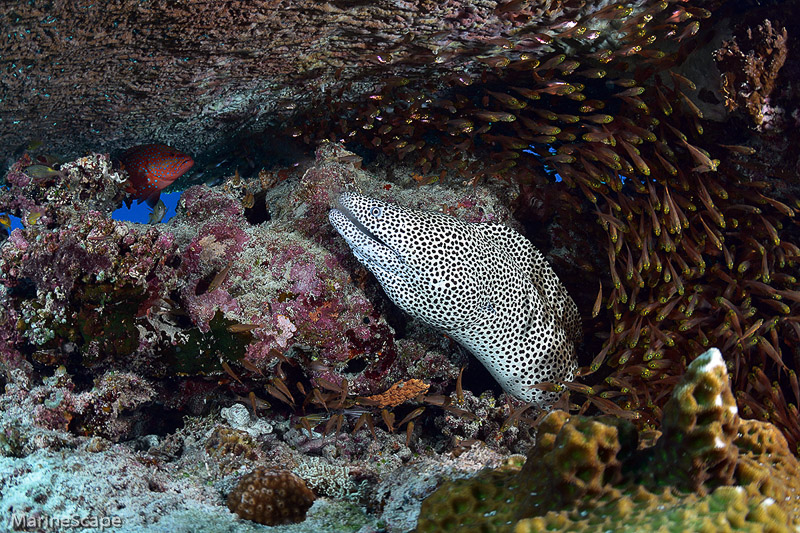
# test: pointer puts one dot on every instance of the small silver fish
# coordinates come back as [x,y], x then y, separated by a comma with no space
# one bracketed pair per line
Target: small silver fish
[158,212]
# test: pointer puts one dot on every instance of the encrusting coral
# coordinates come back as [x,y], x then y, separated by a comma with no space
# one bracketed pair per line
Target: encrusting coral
[271,497]
[709,469]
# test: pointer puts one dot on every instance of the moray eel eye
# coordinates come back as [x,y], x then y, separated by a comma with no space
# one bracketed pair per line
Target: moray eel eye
[376,212]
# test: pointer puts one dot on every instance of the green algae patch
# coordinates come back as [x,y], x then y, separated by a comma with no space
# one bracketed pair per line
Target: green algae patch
[202,353]
[106,318]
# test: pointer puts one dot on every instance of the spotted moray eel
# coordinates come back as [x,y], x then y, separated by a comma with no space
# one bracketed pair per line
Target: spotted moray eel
[483,284]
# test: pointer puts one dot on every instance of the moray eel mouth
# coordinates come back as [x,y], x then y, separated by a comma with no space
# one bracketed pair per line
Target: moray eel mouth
[348,225]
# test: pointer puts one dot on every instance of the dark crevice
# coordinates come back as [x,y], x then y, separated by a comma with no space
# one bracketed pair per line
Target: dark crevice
[258,213]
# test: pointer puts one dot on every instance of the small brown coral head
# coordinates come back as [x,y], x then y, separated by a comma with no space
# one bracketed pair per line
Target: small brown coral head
[749,64]
[271,497]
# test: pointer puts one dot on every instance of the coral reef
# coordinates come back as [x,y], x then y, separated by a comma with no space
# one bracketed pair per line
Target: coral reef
[271,497]
[597,122]
[110,409]
[185,474]
[136,361]
[708,467]
[115,329]
[92,293]
[594,94]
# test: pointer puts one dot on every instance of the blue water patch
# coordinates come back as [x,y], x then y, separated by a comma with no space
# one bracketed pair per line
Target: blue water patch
[547,168]
[136,213]
[16,222]
[550,170]
[141,213]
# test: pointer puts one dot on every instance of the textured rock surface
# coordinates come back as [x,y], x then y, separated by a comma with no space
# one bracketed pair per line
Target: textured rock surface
[193,74]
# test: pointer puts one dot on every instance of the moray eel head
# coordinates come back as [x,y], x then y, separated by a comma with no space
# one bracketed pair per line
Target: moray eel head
[370,228]
[418,256]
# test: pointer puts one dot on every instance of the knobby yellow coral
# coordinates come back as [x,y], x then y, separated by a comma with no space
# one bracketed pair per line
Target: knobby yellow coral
[708,471]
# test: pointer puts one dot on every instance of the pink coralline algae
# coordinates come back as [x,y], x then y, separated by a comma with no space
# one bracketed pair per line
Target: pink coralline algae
[109,409]
[87,293]
[307,307]
[55,197]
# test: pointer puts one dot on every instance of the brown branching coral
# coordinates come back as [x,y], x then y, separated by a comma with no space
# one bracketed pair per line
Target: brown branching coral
[749,64]
[228,447]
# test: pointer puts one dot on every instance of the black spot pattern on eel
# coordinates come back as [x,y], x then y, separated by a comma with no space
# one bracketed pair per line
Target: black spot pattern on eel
[483,284]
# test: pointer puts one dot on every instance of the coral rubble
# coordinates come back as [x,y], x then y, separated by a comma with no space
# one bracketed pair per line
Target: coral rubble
[708,467]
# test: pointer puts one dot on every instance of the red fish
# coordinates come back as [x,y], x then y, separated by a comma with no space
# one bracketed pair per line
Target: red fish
[152,167]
